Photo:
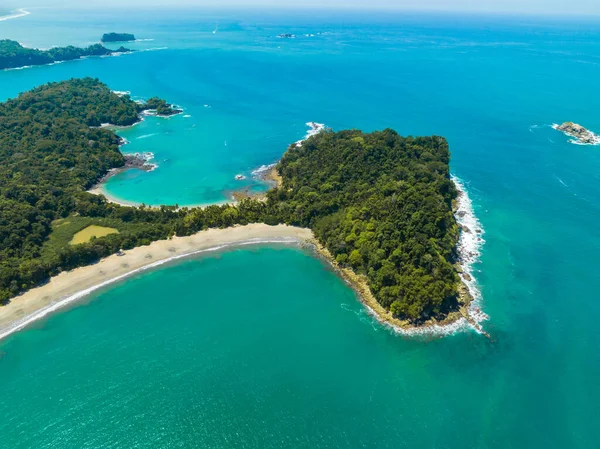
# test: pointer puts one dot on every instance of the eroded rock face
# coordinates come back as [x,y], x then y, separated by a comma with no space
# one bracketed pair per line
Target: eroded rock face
[579,133]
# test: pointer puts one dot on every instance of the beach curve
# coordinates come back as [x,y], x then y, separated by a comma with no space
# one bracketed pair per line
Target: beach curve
[70,286]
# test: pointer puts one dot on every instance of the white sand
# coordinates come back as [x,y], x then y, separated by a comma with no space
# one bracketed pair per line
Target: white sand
[75,284]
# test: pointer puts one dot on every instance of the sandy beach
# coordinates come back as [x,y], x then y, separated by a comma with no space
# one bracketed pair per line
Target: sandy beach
[271,176]
[75,284]
[99,190]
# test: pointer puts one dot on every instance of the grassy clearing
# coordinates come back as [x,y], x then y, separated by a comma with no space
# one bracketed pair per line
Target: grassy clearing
[92,231]
[65,230]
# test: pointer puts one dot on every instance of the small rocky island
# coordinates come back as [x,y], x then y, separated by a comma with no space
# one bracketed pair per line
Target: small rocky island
[139,161]
[13,55]
[117,37]
[158,106]
[580,135]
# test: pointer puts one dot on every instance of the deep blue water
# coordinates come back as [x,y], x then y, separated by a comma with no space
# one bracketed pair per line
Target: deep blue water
[491,85]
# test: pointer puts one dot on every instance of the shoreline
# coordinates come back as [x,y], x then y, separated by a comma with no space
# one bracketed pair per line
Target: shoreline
[98,189]
[266,173]
[270,176]
[80,58]
[71,286]
[469,248]
[469,314]
[68,287]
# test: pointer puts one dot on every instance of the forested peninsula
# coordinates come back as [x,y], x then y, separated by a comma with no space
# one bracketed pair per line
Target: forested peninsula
[14,55]
[381,204]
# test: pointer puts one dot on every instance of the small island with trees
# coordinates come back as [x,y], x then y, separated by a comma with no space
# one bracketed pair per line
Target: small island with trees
[117,37]
[379,205]
[13,55]
[160,107]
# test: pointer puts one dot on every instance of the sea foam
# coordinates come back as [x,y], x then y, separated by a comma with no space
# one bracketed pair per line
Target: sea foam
[469,247]
[575,140]
[314,129]
[262,169]
[469,250]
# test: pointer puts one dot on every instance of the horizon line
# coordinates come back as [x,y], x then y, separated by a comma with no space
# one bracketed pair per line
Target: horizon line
[347,8]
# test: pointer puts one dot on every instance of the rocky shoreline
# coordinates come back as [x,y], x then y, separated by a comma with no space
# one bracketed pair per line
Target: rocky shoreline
[140,161]
[580,135]
[458,319]
[467,314]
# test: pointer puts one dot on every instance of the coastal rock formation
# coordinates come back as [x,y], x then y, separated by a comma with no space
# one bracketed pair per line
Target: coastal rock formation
[159,107]
[139,161]
[579,134]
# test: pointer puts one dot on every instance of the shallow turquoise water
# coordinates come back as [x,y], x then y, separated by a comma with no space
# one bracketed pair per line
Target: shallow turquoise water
[254,348]
[295,362]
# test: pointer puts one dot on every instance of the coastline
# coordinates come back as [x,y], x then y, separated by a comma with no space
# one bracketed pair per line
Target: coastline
[62,61]
[98,189]
[73,285]
[266,173]
[469,252]
[469,314]
[269,175]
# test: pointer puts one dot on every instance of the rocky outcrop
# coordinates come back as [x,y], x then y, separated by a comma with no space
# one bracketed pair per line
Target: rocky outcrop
[139,161]
[579,134]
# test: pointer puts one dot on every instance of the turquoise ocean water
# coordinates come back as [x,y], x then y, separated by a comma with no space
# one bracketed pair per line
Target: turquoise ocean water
[264,347]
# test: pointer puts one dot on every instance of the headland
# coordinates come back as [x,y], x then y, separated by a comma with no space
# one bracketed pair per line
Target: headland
[13,55]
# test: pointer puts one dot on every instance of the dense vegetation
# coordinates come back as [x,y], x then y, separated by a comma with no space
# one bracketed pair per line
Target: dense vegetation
[50,153]
[161,107]
[13,54]
[381,203]
[117,37]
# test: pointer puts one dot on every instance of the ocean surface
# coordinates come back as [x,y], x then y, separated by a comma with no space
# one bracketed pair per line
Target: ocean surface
[265,347]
